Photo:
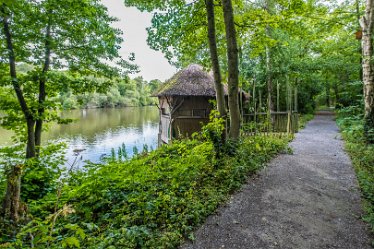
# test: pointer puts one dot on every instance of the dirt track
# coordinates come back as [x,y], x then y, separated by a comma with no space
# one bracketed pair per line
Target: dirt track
[307,200]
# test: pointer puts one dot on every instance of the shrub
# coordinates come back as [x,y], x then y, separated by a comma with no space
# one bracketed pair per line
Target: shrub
[350,121]
[151,201]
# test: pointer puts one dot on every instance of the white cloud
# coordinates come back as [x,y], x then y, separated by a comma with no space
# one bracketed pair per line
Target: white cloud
[133,23]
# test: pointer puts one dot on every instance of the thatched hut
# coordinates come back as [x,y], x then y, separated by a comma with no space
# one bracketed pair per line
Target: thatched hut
[184,102]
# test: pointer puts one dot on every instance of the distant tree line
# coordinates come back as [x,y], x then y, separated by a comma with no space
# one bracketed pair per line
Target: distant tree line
[122,92]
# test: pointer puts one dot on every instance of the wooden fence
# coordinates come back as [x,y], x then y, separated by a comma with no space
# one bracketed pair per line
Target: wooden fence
[282,122]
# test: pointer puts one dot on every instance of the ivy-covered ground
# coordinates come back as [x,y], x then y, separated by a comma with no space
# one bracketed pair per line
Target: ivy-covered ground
[154,200]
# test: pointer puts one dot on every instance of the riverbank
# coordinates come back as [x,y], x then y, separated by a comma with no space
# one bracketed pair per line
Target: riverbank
[155,199]
[95,132]
[109,107]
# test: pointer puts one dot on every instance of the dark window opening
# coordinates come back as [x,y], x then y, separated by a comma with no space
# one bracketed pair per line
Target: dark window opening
[199,113]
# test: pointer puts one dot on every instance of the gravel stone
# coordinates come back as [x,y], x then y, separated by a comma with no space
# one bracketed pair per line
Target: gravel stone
[307,200]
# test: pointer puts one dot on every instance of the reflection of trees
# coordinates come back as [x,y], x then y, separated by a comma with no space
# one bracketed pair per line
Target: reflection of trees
[89,122]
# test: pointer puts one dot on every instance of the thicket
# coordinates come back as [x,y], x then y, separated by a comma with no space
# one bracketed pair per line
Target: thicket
[153,200]
[350,121]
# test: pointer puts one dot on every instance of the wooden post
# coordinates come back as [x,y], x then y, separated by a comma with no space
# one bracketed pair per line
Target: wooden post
[288,100]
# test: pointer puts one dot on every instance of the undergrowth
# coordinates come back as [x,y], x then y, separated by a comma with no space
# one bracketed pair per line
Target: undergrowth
[154,200]
[304,119]
[350,121]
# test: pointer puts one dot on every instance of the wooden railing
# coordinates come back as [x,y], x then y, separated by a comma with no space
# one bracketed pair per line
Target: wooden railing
[282,122]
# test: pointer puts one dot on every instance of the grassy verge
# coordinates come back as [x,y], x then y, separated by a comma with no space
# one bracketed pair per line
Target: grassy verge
[304,119]
[151,201]
[362,155]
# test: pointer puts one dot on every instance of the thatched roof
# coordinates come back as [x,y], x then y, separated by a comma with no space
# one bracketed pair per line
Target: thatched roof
[190,81]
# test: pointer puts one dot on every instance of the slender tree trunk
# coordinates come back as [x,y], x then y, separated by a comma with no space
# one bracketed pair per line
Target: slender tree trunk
[359,43]
[233,63]
[296,98]
[30,147]
[269,79]
[367,24]
[269,69]
[278,94]
[336,92]
[30,150]
[327,90]
[220,95]
[11,201]
[42,90]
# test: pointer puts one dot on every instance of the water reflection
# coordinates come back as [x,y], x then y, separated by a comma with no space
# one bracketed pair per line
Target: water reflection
[96,131]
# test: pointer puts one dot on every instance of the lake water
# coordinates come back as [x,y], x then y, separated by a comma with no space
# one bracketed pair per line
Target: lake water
[96,131]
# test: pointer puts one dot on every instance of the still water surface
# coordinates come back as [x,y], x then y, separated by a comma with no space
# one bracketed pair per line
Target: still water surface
[96,131]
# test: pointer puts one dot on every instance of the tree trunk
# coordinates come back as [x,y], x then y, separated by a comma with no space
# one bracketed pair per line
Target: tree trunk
[30,148]
[11,203]
[220,95]
[42,91]
[296,98]
[336,92]
[269,70]
[367,24]
[359,43]
[278,93]
[233,63]
[269,79]
[327,90]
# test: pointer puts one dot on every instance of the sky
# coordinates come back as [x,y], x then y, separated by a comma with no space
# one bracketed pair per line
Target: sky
[133,23]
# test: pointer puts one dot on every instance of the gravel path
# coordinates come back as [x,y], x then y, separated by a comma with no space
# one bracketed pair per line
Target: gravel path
[305,200]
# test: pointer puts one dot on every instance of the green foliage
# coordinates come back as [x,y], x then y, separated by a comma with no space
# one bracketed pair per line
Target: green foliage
[214,132]
[311,43]
[40,178]
[83,50]
[351,123]
[304,119]
[43,233]
[40,175]
[151,201]
[122,93]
